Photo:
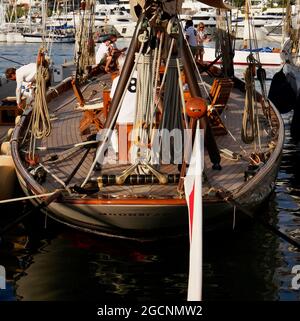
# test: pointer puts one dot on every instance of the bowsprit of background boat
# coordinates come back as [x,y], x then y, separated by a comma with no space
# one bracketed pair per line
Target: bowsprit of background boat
[143,196]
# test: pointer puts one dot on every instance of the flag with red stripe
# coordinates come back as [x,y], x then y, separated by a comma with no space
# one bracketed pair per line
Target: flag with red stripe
[193,194]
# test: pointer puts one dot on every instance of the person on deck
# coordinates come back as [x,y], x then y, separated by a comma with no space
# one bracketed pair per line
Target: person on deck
[115,53]
[103,52]
[108,53]
[25,77]
[191,36]
[201,38]
[128,107]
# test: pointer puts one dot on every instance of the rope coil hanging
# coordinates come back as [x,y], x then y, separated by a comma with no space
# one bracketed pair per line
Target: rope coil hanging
[40,124]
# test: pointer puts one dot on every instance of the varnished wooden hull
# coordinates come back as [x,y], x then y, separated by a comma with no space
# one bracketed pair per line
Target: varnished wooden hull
[140,218]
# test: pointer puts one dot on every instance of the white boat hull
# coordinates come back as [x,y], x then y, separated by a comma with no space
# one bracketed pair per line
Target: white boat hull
[2,37]
[31,38]
[125,30]
[240,57]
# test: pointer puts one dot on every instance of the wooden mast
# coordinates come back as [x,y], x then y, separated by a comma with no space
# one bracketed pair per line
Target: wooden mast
[192,81]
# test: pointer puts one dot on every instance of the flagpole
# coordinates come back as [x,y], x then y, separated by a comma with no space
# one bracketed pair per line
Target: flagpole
[196,107]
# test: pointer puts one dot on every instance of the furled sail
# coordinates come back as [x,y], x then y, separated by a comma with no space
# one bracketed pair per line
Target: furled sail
[171,7]
[216,3]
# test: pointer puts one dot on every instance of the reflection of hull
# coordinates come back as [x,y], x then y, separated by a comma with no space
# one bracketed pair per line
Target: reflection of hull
[38,38]
[240,57]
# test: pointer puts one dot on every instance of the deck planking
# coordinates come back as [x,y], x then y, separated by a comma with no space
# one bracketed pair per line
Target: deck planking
[65,133]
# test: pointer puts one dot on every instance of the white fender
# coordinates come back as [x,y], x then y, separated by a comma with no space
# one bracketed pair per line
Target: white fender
[8,177]
[5,149]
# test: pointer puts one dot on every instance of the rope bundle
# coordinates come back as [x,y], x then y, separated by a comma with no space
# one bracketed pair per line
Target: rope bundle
[41,126]
[249,128]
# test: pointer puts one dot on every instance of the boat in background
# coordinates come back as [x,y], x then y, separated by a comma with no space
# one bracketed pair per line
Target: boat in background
[54,36]
[267,56]
[206,17]
[268,22]
[114,21]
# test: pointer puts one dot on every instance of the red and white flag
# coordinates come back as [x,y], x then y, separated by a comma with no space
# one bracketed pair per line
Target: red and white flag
[193,195]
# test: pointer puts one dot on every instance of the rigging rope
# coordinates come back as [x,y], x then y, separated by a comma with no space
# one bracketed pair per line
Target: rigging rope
[186,124]
[223,43]
[144,103]
[156,65]
[108,132]
[202,83]
[11,200]
[207,96]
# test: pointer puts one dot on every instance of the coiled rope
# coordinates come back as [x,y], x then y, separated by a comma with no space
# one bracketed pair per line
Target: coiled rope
[249,128]
[40,124]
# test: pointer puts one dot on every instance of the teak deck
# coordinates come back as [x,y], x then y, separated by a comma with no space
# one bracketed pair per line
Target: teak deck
[65,133]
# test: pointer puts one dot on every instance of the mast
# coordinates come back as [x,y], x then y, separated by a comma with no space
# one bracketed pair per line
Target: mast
[224,42]
[84,46]
[2,14]
[247,30]
[44,13]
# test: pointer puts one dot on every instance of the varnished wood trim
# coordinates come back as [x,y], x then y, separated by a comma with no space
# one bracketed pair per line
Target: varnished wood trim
[137,201]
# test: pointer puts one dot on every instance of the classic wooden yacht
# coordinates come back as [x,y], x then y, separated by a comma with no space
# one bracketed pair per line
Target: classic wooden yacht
[137,194]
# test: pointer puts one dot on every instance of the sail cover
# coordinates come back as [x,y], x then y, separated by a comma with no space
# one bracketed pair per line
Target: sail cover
[172,7]
[217,4]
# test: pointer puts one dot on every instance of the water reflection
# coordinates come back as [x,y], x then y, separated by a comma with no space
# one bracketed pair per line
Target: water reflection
[288,208]
[73,266]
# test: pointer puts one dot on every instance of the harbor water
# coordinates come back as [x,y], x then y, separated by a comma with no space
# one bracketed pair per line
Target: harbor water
[45,260]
